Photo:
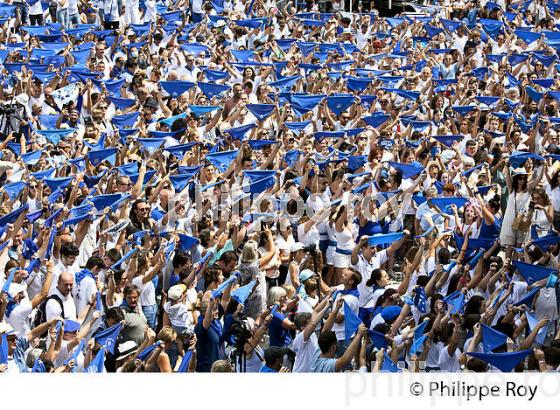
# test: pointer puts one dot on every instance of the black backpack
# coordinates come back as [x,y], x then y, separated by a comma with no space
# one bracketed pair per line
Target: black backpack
[41,315]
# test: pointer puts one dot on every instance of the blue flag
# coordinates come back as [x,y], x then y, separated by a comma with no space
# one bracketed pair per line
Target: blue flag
[97,365]
[532,323]
[98,156]
[492,338]
[125,120]
[108,337]
[351,322]
[222,160]
[210,90]
[407,170]
[261,111]
[176,88]
[388,364]
[180,181]
[506,362]
[184,366]
[384,238]
[339,103]
[221,289]
[240,295]
[533,273]
[14,189]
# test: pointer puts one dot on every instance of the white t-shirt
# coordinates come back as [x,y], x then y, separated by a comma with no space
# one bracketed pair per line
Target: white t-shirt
[367,296]
[58,269]
[83,293]
[304,350]
[53,308]
[448,363]
[148,291]
[19,318]
[352,302]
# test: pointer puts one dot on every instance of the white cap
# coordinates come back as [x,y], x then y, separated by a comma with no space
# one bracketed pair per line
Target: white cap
[175,292]
[23,99]
[15,288]
[306,274]
[297,246]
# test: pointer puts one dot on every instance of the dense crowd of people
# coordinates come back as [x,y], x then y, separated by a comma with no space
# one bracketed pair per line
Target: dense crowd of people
[262,186]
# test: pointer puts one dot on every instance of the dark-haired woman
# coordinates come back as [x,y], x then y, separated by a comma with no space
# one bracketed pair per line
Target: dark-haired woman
[514,227]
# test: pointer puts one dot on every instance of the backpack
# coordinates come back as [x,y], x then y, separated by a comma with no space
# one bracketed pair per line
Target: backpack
[41,314]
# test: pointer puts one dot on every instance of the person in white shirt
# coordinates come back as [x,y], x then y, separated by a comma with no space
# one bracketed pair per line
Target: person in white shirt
[144,280]
[64,306]
[131,13]
[448,360]
[181,317]
[86,282]
[349,293]
[19,309]
[67,263]
[111,14]
[305,344]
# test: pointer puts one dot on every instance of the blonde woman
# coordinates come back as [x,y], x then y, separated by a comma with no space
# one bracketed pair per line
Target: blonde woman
[250,269]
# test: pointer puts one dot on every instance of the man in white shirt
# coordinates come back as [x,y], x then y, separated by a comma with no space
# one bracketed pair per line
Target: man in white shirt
[305,343]
[61,303]
[86,282]
[350,280]
[67,263]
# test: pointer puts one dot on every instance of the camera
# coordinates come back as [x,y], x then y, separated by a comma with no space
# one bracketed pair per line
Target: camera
[8,109]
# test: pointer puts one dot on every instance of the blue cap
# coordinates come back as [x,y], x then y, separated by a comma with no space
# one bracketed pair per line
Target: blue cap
[71,326]
[389,313]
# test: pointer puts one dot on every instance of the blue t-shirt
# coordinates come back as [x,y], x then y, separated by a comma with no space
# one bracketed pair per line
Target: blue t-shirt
[278,335]
[209,344]
[490,231]
[323,364]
